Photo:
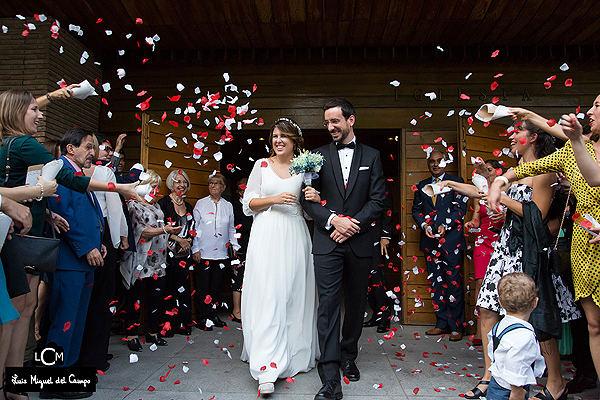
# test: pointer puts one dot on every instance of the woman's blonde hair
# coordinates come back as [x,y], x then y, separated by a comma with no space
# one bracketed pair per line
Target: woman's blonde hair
[13,106]
[152,178]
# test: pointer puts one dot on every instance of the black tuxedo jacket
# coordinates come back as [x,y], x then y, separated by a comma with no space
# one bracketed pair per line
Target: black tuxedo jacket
[362,199]
[449,210]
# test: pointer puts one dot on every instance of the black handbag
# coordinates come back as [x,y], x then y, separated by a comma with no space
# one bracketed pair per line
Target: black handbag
[33,253]
[560,255]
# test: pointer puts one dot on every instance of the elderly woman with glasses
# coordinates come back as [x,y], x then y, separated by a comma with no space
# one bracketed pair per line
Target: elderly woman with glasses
[215,234]
[177,286]
[144,269]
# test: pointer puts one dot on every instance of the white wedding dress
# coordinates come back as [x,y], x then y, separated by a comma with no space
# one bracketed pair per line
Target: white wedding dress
[279,297]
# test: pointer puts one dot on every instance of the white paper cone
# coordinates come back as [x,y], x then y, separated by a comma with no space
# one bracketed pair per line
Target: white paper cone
[490,112]
[50,170]
[84,90]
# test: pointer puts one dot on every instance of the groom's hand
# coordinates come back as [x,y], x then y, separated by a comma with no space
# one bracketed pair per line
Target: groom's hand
[311,194]
[345,225]
[338,237]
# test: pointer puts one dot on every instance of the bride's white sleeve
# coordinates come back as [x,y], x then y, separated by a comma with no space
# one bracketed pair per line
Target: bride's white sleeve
[252,188]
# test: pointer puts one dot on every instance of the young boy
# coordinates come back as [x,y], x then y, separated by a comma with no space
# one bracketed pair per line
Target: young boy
[513,347]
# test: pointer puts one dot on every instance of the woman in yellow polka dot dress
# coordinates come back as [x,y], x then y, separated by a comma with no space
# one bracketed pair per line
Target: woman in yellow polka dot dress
[585,254]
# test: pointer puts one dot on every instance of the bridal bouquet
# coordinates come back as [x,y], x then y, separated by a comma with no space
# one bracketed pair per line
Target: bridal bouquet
[307,163]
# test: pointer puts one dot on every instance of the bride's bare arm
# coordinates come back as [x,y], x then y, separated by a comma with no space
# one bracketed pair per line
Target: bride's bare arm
[462,188]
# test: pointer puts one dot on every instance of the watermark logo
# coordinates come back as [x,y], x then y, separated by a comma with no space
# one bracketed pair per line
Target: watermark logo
[50,356]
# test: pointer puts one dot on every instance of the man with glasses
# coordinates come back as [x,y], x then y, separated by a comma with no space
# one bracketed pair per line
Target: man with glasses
[440,218]
[351,187]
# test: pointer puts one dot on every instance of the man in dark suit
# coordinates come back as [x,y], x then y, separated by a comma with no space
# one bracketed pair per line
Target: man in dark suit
[351,187]
[80,252]
[440,218]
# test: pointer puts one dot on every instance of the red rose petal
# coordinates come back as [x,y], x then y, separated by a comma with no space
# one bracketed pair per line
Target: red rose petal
[273,365]
[205,361]
[139,21]
[125,388]
[495,53]
[416,390]
[498,171]
[495,100]
[67,326]
[414,188]
[523,141]
[207,299]
[465,96]
[111,186]
[151,388]
[323,202]
[264,164]
[547,85]
[176,382]
[346,380]
[494,85]
[497,153]
[569,82]
[150,252]
[289,379]
[551,122]
[263,368]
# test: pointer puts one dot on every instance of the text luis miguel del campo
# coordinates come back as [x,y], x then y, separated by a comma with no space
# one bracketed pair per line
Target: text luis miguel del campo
[49,376]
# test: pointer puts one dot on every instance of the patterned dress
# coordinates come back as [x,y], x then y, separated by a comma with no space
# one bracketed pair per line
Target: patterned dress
[585,257]
[505,261]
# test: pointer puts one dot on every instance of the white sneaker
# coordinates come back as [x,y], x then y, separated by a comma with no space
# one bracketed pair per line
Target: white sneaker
[266,388]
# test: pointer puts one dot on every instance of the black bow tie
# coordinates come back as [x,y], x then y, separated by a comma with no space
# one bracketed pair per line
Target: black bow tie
[340,146]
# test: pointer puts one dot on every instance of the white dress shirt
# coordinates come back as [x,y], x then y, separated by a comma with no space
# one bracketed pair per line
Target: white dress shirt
[345,155]
[110,203]
[215,228]
[518,349]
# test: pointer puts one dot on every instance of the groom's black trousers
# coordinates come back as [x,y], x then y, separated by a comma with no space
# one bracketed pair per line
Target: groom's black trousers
[330,269]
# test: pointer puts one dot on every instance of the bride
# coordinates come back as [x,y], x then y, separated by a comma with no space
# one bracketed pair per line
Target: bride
[279,300]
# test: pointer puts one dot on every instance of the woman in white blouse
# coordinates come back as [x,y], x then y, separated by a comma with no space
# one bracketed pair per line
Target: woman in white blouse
[215,232]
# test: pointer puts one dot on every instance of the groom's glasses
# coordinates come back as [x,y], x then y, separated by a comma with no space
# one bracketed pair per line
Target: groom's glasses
[333,121]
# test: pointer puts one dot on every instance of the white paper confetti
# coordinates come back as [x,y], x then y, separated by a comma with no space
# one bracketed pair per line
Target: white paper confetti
[133,358]
[121,52]
[170,142]
[226,77]
[106,86]
[84,57]
[468,75]
[4,29]
[42,17]
[564,67]
[128,87]
[395,83]
[108,32]
[153,347]
[180,87]
[168,163]
[218,156]
[61,50]
[121,73]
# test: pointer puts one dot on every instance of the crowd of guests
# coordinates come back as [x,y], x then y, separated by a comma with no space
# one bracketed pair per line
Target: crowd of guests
[125,250]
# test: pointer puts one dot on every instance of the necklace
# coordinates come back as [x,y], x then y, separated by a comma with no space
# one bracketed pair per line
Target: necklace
[175,201]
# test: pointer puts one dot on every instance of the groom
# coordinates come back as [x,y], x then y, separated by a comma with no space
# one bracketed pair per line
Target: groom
[351,188]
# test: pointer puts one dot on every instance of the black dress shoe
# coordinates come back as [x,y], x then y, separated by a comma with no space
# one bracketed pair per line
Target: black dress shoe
[105,367]
[580,383]
[169,333]
[218,323]
[331,390]
[350,370]
[202,325]
[109,356]
[134,344]
[156,339]
[65,395]
[373,321]
[384,326]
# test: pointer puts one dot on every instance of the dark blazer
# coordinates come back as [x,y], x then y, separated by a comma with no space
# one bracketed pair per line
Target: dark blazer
[362,200]
[449,210]
[86,224]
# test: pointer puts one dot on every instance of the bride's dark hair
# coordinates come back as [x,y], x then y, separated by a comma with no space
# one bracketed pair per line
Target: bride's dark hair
[291,130]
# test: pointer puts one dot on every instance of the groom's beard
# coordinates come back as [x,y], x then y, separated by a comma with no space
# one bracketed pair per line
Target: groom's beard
[343,134]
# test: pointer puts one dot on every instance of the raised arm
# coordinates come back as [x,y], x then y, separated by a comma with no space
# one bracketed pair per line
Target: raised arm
[588,166]
[463,188]
[521,114]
